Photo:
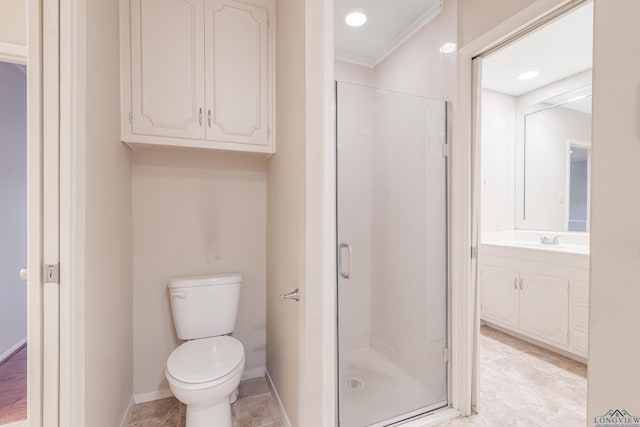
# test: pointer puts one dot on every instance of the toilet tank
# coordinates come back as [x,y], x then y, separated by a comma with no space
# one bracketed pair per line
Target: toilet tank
[205,306]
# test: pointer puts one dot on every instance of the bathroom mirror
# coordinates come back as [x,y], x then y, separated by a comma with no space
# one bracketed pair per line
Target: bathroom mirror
[554,162]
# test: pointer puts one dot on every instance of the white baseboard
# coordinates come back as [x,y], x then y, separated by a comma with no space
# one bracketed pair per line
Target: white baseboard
[283,413]
[152,395]
[21,423]
[250,374]
[127,414]
[4,356]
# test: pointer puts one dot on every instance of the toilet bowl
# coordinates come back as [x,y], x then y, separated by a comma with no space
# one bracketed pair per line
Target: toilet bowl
[204,372]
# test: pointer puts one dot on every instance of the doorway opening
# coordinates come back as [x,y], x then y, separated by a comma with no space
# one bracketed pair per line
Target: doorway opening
[13,244]
[533,188]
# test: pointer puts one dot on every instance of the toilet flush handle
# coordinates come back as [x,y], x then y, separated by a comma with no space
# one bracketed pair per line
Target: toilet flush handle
[182,295]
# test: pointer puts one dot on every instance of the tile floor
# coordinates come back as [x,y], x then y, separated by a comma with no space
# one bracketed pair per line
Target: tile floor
[524,385]
[255,407]
[520,385]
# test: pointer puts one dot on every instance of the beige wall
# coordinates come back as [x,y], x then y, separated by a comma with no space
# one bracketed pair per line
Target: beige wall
[13,22]
[498,161]
[108,292]
[286,206]
[195,212]
[13,206]
[477,17]
[614,338]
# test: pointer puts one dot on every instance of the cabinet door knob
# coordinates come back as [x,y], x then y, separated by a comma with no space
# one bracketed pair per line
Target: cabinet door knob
[209,117]
[515,283]
[200,117]
[521,283]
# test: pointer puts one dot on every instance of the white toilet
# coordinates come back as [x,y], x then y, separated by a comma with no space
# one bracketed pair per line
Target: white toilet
[205,371]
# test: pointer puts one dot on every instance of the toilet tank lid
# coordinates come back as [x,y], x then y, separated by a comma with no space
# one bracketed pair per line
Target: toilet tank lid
[206,280]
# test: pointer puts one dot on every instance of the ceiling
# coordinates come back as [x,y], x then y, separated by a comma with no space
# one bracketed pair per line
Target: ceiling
[389,24]
[558,50]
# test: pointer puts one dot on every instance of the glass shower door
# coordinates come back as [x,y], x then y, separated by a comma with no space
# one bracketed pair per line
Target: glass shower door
[392,255]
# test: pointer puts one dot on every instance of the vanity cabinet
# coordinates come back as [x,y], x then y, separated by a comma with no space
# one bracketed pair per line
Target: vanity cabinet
[198,73]
[544,307]
[500,296]
[533,303]
[539,295]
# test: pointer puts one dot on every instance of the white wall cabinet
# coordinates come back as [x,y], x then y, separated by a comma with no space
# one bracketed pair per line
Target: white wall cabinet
[198,73]
[539,295]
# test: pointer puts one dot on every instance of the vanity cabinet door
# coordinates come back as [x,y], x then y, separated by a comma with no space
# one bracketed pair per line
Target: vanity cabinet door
[238,85]
[544,307]
[500,295]
[167,68]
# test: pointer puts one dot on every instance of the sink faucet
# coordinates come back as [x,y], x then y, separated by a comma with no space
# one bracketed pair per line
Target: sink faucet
[546,240]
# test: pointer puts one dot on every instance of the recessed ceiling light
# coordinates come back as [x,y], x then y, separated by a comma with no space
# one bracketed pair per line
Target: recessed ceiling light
[448,48]
[529,75]
[355,18]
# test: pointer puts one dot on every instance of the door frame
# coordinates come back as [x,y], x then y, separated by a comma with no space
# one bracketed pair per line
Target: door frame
[317,384]
[465,310]
[43,203]
[72,102]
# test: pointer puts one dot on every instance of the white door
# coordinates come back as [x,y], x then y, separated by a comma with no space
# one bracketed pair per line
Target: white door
[167,68]
[49,194]
[544,307]
[500,295]
[236,56]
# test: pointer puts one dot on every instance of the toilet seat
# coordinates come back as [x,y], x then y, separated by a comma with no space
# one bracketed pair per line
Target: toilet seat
[205,360]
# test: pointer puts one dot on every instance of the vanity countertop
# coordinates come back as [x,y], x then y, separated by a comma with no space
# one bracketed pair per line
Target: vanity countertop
[537,246]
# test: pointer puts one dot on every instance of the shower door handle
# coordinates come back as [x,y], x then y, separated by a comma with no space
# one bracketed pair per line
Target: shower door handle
[347,274]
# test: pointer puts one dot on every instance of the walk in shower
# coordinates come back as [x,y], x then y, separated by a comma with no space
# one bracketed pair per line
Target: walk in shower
[392,255]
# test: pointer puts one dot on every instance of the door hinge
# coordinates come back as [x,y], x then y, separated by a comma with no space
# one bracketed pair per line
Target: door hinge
[474,252]
[268,132]
[445,354]
[446,150]
[130,117]
[51,273]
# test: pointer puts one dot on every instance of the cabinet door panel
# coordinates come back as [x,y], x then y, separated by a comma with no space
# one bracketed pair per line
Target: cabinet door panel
[167,67]
[236,57]
[544,307]
[499,295]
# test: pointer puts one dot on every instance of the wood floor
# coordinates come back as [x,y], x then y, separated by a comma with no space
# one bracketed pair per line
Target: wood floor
[13,387]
